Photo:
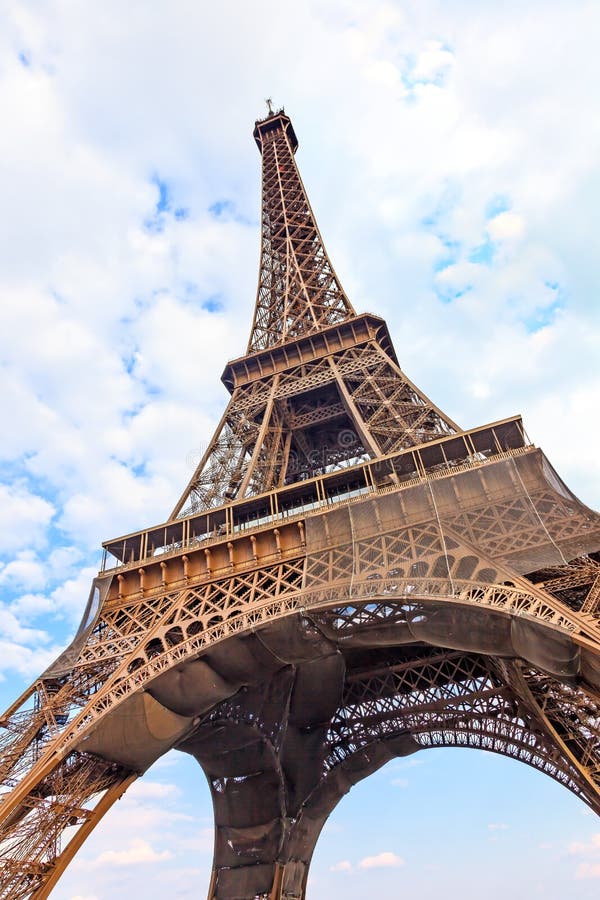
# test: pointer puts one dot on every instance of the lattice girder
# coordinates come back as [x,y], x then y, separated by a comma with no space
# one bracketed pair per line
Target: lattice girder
[274,434]
[347,577]
[298,290]
[146,673]
[430,698]
[373,578]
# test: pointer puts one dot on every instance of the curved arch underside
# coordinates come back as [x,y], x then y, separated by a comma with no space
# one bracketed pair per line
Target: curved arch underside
[311,714]
[347,577]
[398,622]
[278,772]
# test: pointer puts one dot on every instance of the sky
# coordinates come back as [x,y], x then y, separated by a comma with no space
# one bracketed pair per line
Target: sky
[450,153]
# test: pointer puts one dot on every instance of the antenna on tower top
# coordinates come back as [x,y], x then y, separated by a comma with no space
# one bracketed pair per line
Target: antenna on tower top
[269,102]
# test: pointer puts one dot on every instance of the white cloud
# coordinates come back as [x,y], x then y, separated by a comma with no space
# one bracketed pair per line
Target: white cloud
[385,860]
[176,844]
[588,870]
[153,818]
[590,867]
[344,865]
[25,570]
[24,660]
[170,759]
[432,60]
[590,847]
[409,762]
[498,827]
[199,840]
[506,226]
[66,600]
[139,852]
[11,627]
[436,143]
[24,517]
[70,597]
[151,790]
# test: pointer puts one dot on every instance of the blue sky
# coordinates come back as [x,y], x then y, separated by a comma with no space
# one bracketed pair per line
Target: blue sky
[451,159]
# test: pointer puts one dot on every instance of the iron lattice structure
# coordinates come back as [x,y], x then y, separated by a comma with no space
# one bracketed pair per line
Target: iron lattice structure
[348,577]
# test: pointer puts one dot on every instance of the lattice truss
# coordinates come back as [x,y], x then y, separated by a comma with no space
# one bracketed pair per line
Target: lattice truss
[393,701]
[446,698]
[413,570]
[477,540]
[576,584]
[64,802]
[298,290]
[323,415]
[51,789]
[459,609]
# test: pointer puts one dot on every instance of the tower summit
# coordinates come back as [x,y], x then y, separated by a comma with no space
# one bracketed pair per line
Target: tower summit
[298,290]
[348,577]
[320,387]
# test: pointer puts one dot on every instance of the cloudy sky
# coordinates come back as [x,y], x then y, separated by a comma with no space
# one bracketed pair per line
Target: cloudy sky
[450,152]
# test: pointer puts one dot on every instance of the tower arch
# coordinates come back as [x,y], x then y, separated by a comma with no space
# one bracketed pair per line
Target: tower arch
[348,576]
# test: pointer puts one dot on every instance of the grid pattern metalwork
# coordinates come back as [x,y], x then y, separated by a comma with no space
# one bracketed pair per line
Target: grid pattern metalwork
[367,581]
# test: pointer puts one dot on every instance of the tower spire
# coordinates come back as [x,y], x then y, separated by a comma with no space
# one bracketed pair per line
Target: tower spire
[298,290]
[347,578]
[320,387]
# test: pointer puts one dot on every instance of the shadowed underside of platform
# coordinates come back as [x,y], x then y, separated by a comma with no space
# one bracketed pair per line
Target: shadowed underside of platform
[348,577]
[393,621]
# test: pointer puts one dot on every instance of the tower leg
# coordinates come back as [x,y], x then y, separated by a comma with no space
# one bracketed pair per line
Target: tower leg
[262,751]
[277,889]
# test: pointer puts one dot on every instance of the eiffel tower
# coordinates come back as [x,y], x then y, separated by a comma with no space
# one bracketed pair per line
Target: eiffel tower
[348,577]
